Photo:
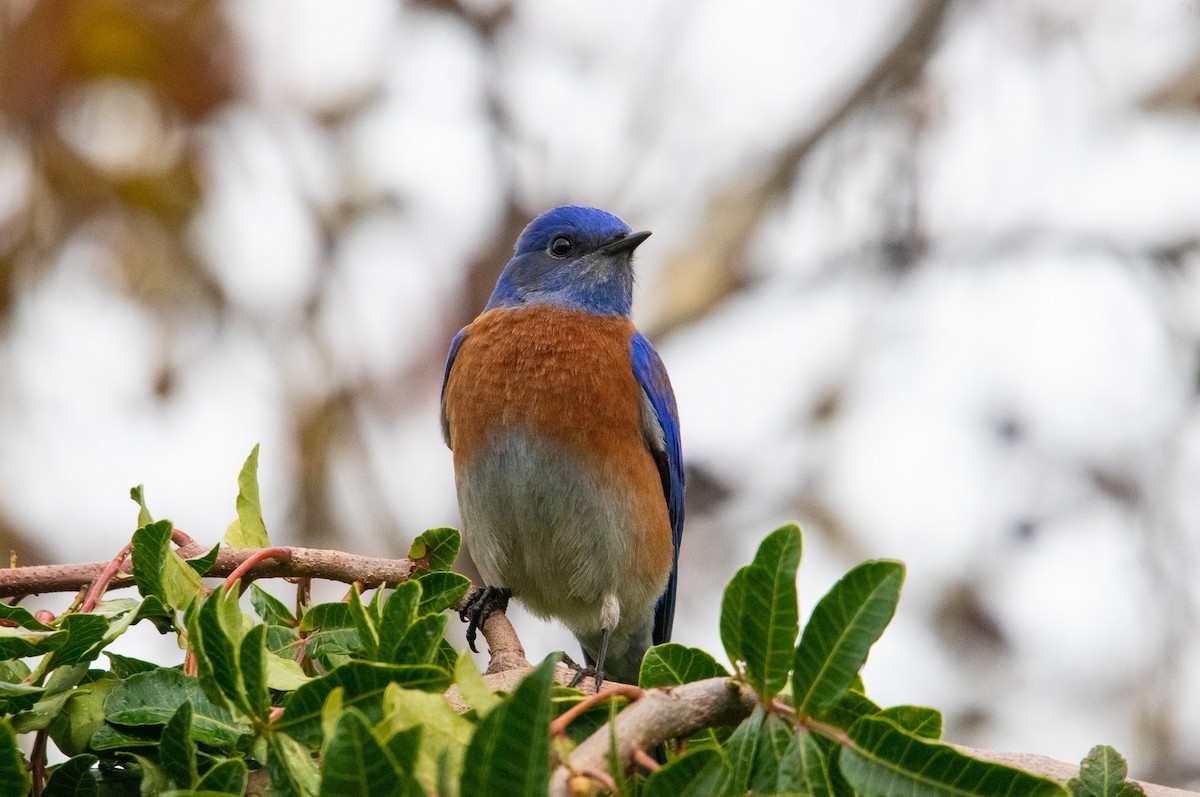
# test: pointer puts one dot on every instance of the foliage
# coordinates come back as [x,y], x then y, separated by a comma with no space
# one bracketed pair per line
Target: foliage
[349,697]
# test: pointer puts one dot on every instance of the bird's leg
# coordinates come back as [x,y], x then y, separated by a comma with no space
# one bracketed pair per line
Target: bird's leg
[610,615]
[480,606]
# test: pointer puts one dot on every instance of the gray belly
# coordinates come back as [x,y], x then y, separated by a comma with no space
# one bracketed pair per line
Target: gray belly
[538,522]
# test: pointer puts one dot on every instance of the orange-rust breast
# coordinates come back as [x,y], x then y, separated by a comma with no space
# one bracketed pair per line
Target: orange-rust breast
[562,374]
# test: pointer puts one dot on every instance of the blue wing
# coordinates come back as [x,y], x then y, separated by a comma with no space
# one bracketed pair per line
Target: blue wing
[662,416]
[454,344]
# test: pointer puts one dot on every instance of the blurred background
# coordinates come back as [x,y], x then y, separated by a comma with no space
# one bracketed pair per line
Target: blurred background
[925,273]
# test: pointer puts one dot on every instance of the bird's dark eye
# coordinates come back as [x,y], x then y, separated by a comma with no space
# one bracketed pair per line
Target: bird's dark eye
[561,246]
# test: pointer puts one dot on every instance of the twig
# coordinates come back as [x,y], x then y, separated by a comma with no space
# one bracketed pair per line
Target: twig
[615,689]
[279,554]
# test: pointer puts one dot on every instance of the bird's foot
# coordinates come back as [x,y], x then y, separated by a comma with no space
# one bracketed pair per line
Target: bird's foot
[585,672]
[480,607]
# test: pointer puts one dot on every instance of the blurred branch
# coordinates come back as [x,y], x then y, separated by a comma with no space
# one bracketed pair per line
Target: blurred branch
[705,273]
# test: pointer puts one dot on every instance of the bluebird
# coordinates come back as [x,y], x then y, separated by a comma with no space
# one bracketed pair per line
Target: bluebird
[565,436]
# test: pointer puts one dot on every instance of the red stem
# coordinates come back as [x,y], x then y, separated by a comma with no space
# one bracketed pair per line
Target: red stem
[614,689]
[96,591]
[283,554]
[37,762]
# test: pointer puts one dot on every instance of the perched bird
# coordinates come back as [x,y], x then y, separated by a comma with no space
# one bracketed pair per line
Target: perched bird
[565,437]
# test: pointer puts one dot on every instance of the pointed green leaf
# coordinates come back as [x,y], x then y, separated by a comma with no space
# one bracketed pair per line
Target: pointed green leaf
[804,768]
[917,720]
[330,631]
[363,683]
[692,775]
[444,733]
[472,686]
[436,549]
[202,564]
[125,666]
[73,778]
[138,494]
[284,675]
[248,531]
[839,635]
[217,630]
[226,777]
[421,641]
[85,632]
[355,765]
[178,750]
[272,610]
[148,557]
[368,634]
[82,714]
[510,751]
[884,760]
[22,617]
[399,613]
[13,770]
[152,698]
[252,660]
[110,737]
[1102,774]
[440,590]
[741,749]
[759,614]
[673,664]
[293,769]
[19,643]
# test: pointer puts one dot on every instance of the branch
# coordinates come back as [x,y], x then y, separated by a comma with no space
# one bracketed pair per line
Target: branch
[292,563]
[655,717]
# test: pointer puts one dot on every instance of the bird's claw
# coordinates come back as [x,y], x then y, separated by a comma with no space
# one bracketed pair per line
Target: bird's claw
[480,607]
[584,672]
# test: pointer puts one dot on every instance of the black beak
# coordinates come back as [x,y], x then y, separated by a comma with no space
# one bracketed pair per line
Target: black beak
[626,243]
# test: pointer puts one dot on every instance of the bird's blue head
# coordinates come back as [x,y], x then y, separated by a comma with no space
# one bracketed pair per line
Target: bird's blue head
[571,257]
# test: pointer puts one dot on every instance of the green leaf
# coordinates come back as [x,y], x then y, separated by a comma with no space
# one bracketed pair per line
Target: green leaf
[884,760]
[355,764]
[436,549]
[440,590]
[22,617]
[804,768]
[252,660]
[741,749]
[152,698]
[293,769]
[672,664]
[125,666]
[217,630]
[178,750]
[421,641]
[363,683]
[1102,774]
[472,686]
[759,614]
[693,775]
[444,733]
[19,643]
[225,777]
[272,610]
[839,635]
[510,751]
[368,634]
[917,720]
[151,543]
[160,572]
[202,564]
[85,632]
[153,777]
[248,531]
[12,764]
[73,778]
[330,631]
[138,494]
[82,714]
[399,613]
[110,737]
[284,675]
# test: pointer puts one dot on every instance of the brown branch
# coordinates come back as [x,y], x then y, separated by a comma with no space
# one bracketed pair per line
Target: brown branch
[1059,771]
[657,716]
[299,562]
